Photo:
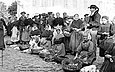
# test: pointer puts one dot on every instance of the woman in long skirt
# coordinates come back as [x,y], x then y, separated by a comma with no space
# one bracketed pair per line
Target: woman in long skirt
[15,34]
[75,38]
[109,62]
[2,45]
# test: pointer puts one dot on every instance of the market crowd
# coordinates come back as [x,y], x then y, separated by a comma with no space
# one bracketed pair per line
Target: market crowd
[54,37]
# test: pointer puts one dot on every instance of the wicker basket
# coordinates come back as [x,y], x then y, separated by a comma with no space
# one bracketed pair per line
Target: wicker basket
[71,68]
[43,55]
[59,59]
[24,47]
[36,50]
[9,42]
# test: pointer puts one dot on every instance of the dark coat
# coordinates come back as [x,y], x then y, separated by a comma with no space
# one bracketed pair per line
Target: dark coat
[50,21]
[2,23]
[48,34]
[21,21]
[77,24]
[94,20]
[103,28]
[57,21]
[108,66]
[104,45]
[112,29]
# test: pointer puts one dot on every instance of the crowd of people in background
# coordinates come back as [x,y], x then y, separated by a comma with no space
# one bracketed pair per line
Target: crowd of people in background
[72,35]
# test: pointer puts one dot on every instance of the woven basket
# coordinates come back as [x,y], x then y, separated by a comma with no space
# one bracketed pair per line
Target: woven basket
[71,68]
[59,59]
[35,51]
[43,55]
[9,42]
[24,47]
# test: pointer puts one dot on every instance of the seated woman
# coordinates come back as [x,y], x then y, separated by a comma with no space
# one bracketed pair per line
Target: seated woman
[86,51]
[35,30]
[109,55]
[103,32]
[58,47]
[75,38]
[67,34]
[46,38]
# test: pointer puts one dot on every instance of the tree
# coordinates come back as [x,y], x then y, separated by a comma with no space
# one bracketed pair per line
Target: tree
[2,7]
[12,10]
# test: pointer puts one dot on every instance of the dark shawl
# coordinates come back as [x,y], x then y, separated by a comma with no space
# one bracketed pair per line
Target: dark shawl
[94,20]
[77,24]
[108,66]
[2,23]
[57,21]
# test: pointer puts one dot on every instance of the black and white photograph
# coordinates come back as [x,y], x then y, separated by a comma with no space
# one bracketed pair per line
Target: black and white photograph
[57,35]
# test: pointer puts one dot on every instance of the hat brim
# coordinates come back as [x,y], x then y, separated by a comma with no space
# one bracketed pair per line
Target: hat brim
[23,12]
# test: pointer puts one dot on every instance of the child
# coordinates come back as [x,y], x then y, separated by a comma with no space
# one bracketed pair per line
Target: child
[15,34]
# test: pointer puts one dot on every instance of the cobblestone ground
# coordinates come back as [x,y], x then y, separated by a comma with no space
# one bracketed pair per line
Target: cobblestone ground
[15,61]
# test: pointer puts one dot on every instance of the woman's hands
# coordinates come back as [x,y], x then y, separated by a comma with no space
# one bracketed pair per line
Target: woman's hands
[76,29]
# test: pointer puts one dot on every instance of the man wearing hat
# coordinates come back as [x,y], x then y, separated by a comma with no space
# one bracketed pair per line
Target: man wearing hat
[94,18]
[23,17]
[21,23]
[94,22]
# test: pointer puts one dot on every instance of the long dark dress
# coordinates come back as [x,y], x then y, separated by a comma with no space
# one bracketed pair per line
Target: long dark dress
[59,47]
[2,45]
[58,21]
[112,29]
[103,28]
[108,66]
[76,37]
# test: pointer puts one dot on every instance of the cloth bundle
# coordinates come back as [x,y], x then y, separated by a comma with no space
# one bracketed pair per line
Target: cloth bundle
[91,68]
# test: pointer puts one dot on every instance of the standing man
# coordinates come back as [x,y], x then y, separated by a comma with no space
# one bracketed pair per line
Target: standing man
[94,18]
[94,22]
[21,23]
